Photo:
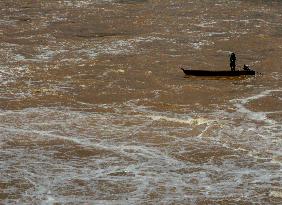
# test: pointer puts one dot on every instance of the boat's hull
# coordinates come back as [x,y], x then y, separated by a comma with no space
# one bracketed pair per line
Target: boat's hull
[218,73]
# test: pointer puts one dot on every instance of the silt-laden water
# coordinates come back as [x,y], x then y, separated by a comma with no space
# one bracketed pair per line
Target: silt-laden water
[94,108]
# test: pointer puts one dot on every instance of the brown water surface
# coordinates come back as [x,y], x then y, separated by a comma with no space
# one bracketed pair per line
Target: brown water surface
[94,108]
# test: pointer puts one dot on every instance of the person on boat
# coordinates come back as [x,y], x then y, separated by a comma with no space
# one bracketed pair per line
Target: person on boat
[232,61]
[246,68]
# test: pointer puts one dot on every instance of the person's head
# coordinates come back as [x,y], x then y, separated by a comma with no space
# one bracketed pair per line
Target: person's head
[232,54]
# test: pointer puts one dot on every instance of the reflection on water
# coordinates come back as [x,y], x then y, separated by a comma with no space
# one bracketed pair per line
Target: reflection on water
[94,107]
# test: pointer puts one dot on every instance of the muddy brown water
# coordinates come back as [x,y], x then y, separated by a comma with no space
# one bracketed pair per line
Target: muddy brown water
[94,108]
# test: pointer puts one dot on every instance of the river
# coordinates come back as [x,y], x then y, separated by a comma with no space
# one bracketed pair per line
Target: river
[94,108]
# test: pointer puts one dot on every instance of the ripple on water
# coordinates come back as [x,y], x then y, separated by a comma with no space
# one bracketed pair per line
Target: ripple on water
[131,153]
[134,158]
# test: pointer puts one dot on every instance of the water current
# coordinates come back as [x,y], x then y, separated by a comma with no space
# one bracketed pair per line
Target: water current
[94,108]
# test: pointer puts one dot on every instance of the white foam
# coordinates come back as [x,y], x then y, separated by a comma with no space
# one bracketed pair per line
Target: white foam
[154,165]
[49,201]
[258,96]
[148,72]
[92,53]
[223,52]
[78,3]
[4,22]
[148,39]
[46,54]
[120,71]
[19,57]
[197,121]
[206,24]
[276,194]
[215,33]
[200,44]
[260,116]
[116,47]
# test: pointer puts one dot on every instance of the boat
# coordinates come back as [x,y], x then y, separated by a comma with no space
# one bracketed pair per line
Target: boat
[218,72]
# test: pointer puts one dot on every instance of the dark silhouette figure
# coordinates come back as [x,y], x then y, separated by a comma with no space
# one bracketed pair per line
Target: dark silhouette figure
[232,61]
[246,68]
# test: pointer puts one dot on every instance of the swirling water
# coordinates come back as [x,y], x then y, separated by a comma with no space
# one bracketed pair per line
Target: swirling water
[95,110]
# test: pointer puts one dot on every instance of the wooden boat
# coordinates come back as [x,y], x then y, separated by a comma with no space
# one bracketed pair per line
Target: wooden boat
[218,72]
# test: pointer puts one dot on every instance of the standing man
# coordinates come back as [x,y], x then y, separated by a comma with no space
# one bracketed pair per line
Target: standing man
[232,61]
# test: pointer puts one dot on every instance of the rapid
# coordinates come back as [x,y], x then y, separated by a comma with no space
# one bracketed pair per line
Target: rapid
[94,108]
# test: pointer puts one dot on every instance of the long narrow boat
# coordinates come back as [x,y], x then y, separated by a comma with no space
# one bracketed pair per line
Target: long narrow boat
[218,73]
